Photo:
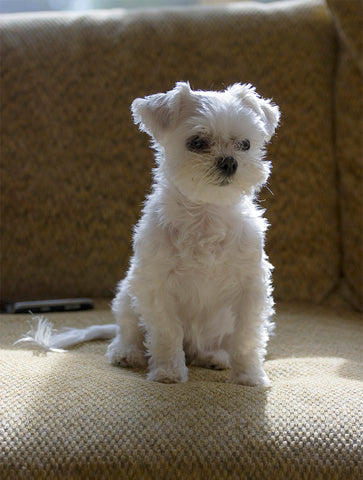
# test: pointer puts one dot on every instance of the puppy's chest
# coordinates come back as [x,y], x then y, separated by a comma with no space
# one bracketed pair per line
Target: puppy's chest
[206,269]
[204,251]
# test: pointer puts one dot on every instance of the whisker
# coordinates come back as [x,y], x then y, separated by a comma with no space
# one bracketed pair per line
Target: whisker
[268,188]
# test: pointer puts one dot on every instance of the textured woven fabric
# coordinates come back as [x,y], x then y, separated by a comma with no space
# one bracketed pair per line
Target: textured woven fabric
[349,142]
[74,169]
[74,416]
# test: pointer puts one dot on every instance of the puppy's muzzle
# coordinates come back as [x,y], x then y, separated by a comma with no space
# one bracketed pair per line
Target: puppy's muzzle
[227,166]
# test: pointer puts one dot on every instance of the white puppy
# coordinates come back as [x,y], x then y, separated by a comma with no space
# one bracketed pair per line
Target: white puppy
[198,289]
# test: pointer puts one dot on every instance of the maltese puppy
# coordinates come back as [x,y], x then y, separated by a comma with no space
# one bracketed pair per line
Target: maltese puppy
[198,289]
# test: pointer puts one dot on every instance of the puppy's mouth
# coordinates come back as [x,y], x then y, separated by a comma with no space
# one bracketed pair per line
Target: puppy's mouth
[223,182]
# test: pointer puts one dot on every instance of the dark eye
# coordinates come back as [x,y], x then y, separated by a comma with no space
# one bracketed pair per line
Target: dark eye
[198,144]
[244,145]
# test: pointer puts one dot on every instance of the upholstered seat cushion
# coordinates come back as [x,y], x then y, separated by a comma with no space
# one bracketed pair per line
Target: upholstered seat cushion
[73,415]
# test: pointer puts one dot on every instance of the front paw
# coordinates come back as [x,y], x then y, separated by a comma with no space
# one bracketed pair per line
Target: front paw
[253,378]
[168,374]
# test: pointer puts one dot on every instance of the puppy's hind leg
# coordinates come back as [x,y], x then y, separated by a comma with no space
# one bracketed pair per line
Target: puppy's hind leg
[127,348]
[215,354]
[215,360]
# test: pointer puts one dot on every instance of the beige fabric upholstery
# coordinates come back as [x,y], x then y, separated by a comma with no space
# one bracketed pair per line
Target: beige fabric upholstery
[79,168]
[74,416]
[349,143]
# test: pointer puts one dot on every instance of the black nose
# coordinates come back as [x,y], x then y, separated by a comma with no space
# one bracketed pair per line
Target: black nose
[227,165]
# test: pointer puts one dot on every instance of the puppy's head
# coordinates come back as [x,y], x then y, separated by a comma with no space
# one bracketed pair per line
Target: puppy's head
[210,144]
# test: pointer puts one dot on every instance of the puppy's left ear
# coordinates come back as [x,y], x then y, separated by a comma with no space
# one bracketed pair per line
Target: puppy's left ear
[268,112]
[157,113]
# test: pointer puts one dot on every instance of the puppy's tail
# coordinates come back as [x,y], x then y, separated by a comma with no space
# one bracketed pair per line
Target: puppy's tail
[45,336]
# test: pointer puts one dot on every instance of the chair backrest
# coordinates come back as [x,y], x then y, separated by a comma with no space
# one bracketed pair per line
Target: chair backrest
[75,170]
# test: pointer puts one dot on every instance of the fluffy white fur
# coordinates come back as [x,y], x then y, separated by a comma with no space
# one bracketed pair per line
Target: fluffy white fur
[198,289]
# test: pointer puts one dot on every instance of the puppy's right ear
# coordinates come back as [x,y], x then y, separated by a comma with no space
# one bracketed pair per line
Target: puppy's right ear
[160,112]
[267,111]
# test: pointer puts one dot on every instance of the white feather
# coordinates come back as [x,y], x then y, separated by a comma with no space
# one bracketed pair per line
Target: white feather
[45,336]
